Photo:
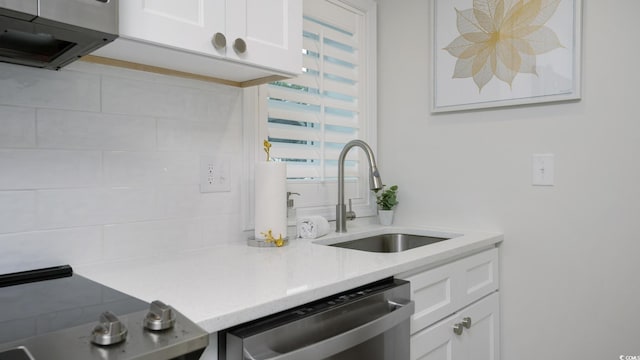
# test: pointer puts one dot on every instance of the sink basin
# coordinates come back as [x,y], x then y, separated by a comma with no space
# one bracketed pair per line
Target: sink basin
[389,243]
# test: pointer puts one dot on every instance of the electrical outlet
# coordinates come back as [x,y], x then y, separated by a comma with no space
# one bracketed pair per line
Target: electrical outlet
[214,174]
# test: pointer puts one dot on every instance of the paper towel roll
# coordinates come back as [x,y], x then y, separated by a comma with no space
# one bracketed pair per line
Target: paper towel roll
[271,198]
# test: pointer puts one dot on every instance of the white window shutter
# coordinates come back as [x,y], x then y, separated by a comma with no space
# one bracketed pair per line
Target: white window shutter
[310,118]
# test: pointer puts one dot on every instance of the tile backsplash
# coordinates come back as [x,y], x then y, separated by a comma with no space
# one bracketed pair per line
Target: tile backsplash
[100,164]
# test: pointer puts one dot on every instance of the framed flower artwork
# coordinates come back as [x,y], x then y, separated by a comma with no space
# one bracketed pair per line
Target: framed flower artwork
[490,53]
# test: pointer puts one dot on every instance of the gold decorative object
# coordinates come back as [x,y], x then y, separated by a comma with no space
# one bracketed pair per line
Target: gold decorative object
[269,238]
[267,149]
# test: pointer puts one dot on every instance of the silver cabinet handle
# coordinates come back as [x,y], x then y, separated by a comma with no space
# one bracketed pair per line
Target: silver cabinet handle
[219,41]
[466,322]
[459,327]
[240,46]
[399,312]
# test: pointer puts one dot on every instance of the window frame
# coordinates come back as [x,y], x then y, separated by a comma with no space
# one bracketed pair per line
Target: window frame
[254,112]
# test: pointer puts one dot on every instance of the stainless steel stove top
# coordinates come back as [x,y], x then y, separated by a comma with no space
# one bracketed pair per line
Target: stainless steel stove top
[55,314]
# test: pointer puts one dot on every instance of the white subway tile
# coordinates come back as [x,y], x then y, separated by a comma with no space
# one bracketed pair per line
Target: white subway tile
[17,127]
[178,202]
[30,250]
[124,96]
[187,201]
[222,228]
[85,130]
[93,206]
[41,169]
[64,89]
[212,136]
[111,71]
[150,168]
[219,203]
[150,238]
[224,106]
[17,211]
[86,139]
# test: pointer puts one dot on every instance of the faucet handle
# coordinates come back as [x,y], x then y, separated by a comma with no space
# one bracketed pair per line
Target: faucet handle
[351,215]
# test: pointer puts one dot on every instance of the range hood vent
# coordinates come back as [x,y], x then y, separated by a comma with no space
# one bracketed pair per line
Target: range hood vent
[33,34]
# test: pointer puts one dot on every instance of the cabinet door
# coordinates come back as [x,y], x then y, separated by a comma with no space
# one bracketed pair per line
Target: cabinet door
[478,342]
[482,340]
[271,30]
[437,342]
[185,24]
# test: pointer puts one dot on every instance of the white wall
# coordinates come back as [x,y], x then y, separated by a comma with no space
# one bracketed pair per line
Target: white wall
[571,258]
[100,164]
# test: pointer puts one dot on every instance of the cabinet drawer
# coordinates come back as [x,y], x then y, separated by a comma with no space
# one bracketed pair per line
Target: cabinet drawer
[443,290]
[433,293]
[479,276]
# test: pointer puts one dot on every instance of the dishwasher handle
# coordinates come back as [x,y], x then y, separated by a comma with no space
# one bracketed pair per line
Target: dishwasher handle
[401,311]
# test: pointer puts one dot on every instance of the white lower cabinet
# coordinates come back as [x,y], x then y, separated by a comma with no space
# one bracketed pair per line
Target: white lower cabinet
[478,342]
[460,295]
[457,309]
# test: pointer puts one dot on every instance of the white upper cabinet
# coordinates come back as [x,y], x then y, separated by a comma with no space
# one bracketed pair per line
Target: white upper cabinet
[184,24]
[272,30]
[236,40]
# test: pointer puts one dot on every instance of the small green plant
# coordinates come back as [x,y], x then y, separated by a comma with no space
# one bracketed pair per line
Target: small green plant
[387,198]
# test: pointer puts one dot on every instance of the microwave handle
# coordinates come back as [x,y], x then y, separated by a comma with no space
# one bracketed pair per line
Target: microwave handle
[401,311]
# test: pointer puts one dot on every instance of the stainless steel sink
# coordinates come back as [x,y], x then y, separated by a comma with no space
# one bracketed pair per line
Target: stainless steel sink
[389,243]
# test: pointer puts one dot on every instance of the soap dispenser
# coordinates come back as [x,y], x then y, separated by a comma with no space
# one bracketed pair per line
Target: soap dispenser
[291,209]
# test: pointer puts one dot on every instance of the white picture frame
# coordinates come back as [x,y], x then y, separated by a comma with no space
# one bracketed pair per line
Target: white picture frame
[549,72]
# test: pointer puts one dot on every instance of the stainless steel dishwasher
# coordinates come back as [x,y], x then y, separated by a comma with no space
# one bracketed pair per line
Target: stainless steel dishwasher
[370,322]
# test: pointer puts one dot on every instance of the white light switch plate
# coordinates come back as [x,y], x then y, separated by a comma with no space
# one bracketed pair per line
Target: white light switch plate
[543,171]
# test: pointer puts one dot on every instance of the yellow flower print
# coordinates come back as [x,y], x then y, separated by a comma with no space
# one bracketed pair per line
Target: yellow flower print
[501,38]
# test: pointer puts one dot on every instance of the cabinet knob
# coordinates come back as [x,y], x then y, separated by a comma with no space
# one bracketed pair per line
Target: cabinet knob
[219,41]
[466,322]
[240,46]
[457,329]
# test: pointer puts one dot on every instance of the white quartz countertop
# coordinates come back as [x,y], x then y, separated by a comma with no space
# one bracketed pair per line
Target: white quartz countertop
[232,283]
